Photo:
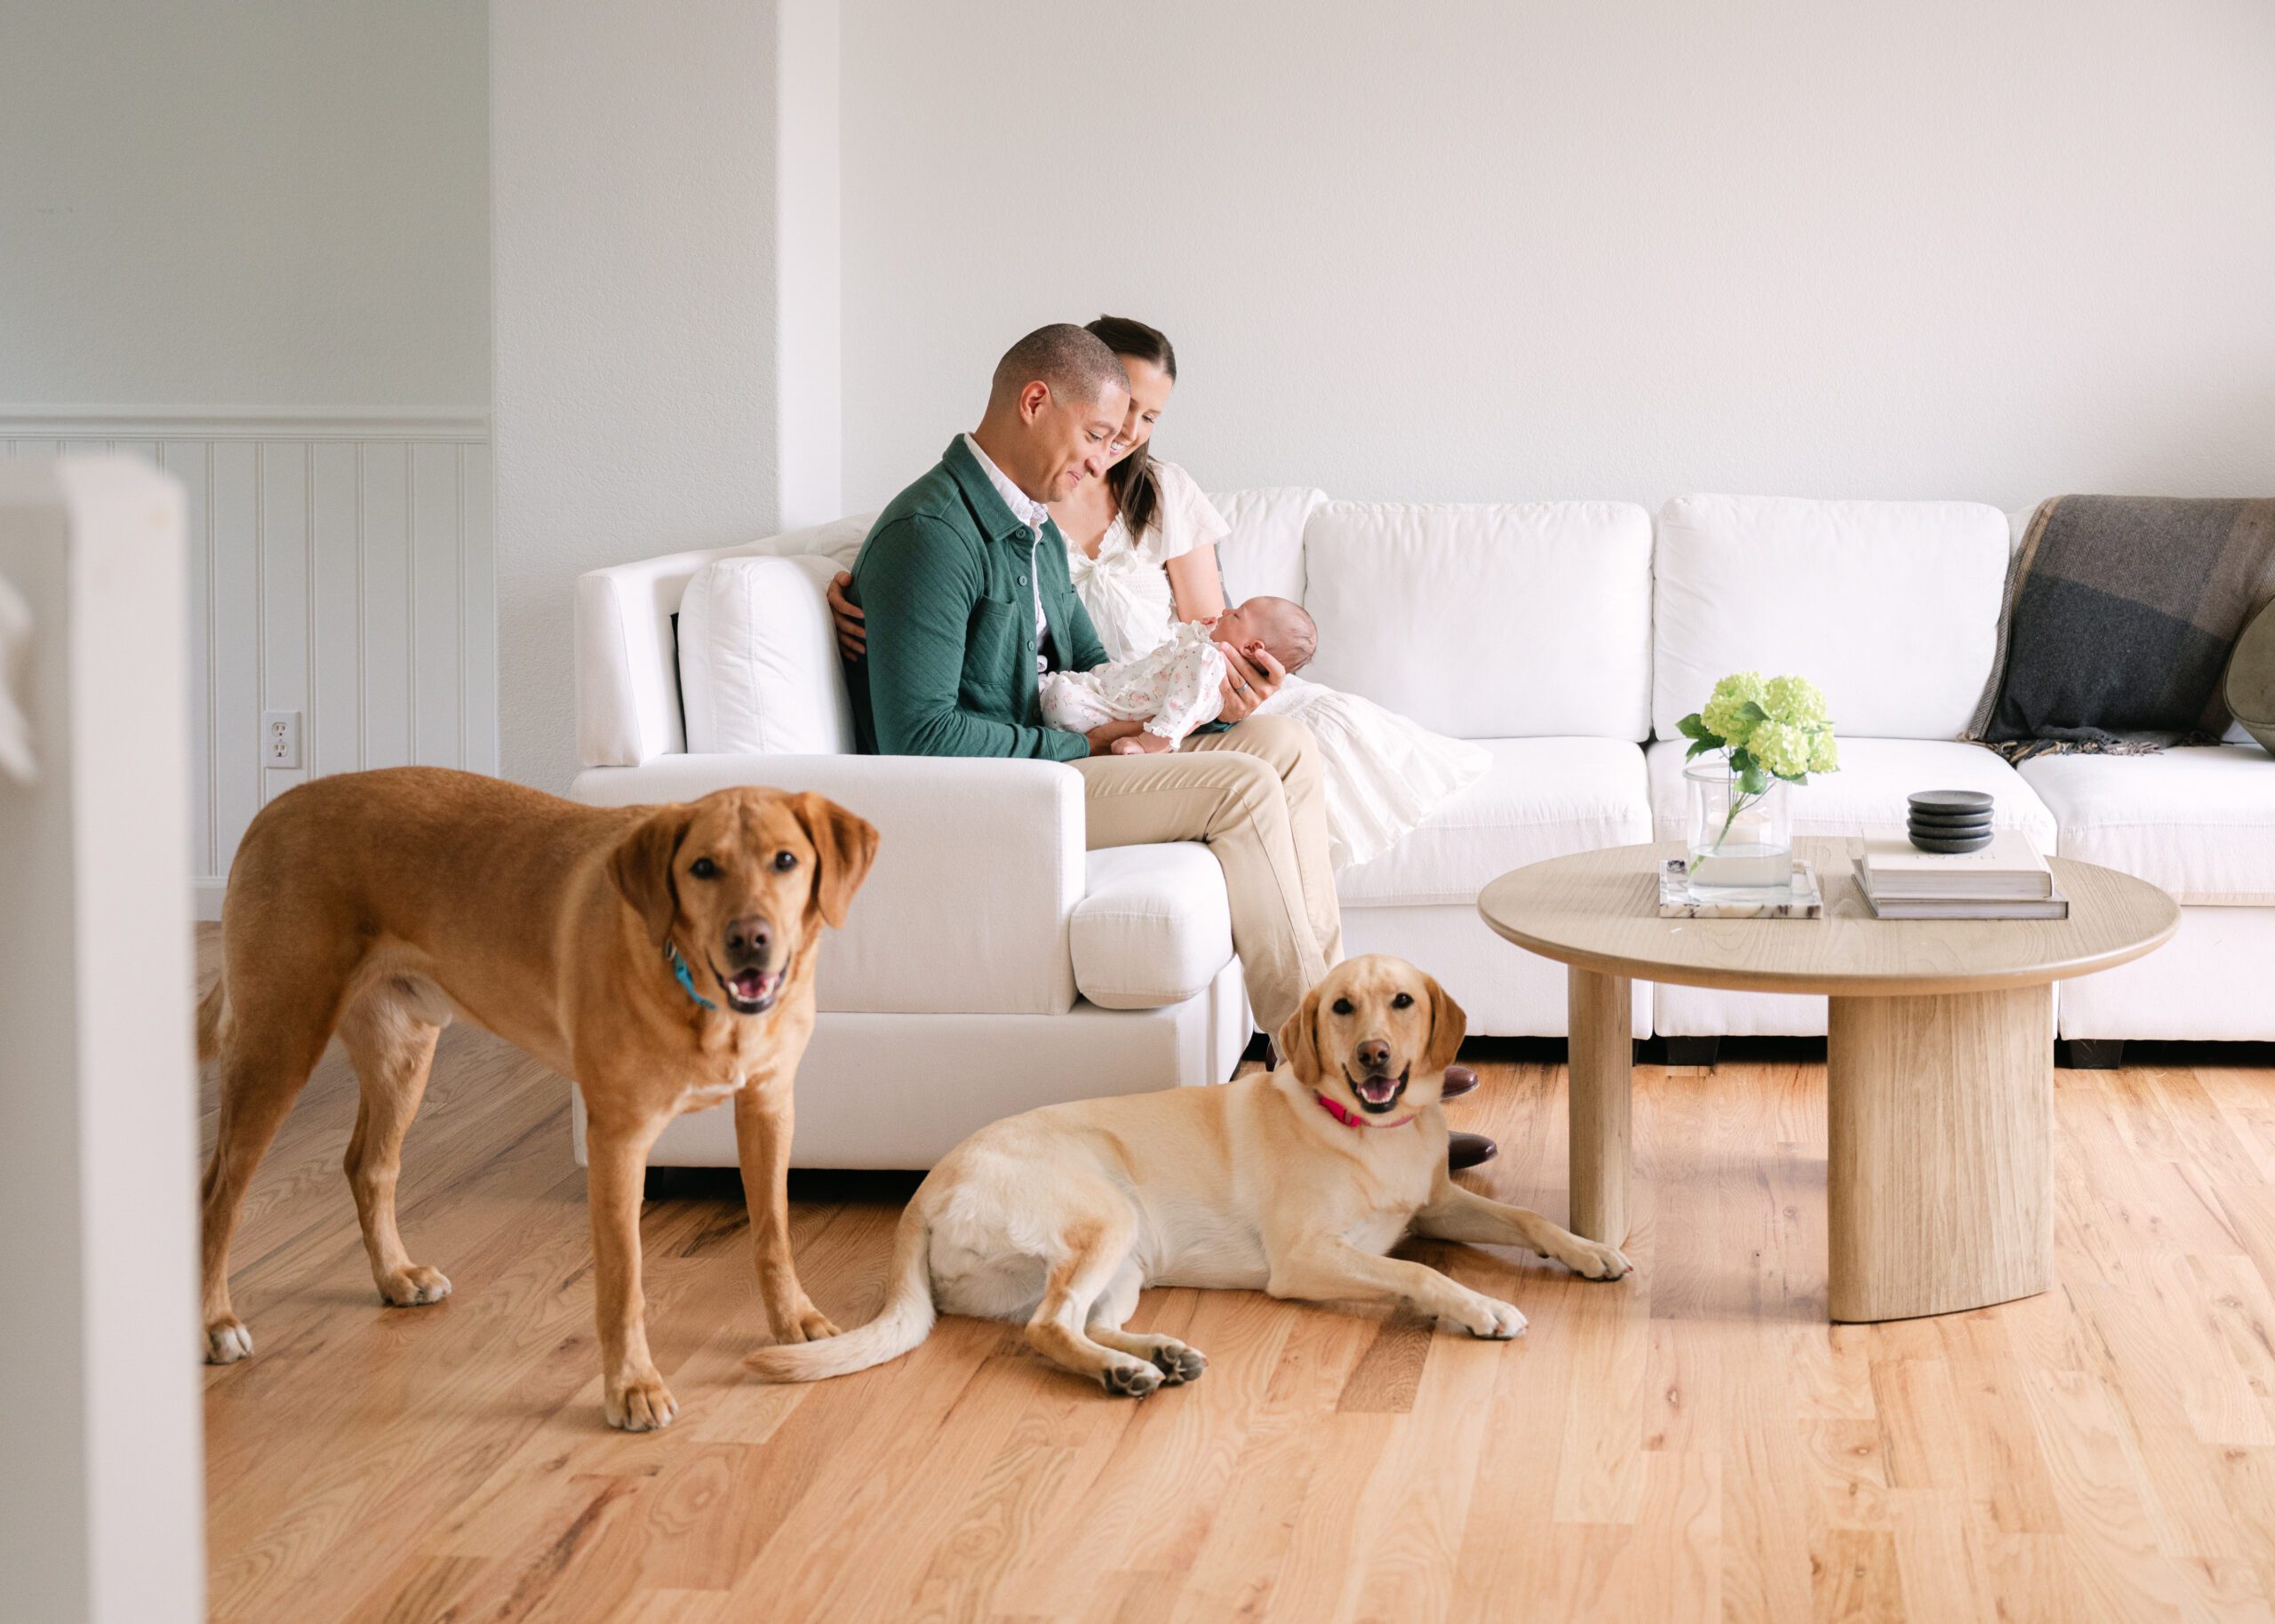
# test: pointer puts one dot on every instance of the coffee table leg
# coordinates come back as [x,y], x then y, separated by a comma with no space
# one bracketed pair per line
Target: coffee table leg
[1603,1055]
[1940,1181]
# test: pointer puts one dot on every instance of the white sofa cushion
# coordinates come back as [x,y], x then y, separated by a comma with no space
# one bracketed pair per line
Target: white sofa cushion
[1152,927]
[1541,798]
[1486,621]
[1892,608]
[1264,553]
[2199,822]
[628,664]
[1869,793]
[758,666]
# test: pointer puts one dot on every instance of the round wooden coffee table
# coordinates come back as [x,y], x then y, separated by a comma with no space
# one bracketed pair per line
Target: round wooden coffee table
[1939,1054]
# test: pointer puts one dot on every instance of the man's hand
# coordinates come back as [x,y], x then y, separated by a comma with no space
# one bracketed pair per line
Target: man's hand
[1251,678]
[1104,739]
[1143,743]
[852,626]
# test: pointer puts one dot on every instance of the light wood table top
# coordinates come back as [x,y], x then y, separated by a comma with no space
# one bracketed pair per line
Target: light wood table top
[1599,910]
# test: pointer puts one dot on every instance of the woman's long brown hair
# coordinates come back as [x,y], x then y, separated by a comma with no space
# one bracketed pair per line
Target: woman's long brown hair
[1137,487]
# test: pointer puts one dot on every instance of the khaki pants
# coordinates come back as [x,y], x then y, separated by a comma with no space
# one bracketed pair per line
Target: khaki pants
[1252,795]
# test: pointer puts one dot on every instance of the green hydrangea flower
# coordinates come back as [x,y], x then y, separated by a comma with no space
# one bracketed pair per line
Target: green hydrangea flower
[1796,700]
[1825,755]
[1726,713]
[1781,747]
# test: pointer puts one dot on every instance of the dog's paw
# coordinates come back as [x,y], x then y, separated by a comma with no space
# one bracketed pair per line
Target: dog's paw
[1129,1379]
[642,1404]
[1490,1318]
[1593,1261]
[414,1286]
[793,1318]
[811,1325]
[1178,1363]
[226,1340]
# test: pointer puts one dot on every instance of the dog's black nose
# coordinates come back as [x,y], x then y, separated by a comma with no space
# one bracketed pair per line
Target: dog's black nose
[1374,1054]
[750,937]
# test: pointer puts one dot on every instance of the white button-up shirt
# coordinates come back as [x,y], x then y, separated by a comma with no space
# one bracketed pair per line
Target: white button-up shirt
[1034,515]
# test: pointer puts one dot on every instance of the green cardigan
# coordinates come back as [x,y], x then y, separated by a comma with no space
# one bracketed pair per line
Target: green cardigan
[944,581]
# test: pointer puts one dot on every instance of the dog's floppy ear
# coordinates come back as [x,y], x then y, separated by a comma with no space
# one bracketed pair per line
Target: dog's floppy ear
[1448,1025]
[844,846]
[1300,1039]
[642,867]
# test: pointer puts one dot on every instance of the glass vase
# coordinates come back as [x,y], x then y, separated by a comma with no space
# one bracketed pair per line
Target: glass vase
[1741,841]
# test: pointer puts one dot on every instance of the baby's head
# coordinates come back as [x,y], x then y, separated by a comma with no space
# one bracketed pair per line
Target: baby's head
[1279,624]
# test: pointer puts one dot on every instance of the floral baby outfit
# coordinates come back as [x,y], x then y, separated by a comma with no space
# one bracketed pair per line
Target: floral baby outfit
[1172,690]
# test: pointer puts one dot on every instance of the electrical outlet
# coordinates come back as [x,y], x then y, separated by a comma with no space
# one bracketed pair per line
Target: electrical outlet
[280,738]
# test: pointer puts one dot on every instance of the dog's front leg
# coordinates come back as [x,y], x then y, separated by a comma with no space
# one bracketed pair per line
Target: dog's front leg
[1329,1270]
[633,1389]
[763,1118]
[1455,1213]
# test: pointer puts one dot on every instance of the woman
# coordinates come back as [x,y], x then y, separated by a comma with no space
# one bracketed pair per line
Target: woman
[1141,546]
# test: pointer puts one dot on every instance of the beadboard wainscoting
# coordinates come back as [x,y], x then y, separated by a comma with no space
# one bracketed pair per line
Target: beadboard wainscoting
[340,566]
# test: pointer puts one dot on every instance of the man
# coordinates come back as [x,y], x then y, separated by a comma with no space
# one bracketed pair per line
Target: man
[965,587]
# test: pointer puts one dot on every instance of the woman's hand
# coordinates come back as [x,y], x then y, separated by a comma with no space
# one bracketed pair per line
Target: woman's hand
[1250,678]
[852,626]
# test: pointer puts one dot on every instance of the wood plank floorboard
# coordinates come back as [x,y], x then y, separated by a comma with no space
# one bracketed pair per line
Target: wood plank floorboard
[1697,1442]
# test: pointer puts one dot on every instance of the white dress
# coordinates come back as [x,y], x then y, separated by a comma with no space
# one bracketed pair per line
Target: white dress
[1380,774]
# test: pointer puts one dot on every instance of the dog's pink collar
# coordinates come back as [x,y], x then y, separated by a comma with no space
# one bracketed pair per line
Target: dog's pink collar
[1351,1119]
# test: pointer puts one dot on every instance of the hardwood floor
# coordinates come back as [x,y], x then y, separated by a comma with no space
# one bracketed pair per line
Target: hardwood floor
[1694,1443]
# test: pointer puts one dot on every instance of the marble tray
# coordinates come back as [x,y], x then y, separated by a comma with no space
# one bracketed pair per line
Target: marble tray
[1807,902]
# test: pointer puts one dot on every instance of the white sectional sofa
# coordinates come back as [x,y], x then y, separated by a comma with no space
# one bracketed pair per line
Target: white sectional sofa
[991,964]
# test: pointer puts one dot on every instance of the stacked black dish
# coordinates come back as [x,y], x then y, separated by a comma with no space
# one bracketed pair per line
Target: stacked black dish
[1951,820]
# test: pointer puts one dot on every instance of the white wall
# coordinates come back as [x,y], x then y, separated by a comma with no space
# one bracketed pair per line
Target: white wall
[251,203]
[248,240]
[1556,249]
[809,399]
[654,388]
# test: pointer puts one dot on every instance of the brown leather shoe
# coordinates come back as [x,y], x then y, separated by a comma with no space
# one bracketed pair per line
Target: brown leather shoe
[1459,1081]
[1464,1150]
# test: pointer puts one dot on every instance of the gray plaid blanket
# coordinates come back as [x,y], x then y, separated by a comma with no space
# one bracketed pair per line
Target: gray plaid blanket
[2118,618]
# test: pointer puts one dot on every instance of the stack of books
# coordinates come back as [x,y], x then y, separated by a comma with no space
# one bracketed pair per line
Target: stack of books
[2005,879]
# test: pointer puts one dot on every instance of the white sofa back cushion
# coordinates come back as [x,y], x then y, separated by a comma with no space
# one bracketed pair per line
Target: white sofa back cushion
[1265,553]
[1517,620]
[1891,608]
[758,667]
[627,666]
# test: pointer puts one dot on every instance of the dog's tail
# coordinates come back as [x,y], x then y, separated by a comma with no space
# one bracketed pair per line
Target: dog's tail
[211,1011]
[905,1320]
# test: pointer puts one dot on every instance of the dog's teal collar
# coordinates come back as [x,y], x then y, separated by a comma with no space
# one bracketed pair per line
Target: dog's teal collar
[686,981]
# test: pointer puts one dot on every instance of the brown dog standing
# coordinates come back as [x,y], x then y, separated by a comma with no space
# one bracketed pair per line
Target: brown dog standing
[662,957]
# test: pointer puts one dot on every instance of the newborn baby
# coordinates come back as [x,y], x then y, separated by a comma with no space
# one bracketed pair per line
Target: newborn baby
[1178,686]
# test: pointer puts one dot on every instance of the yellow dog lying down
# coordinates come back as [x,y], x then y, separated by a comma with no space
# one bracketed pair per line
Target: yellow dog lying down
[1295,1182]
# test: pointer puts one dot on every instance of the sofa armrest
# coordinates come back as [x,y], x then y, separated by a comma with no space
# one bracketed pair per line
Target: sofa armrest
[979,865]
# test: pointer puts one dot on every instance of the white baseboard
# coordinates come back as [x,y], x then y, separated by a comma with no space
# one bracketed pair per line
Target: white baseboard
[206,899]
